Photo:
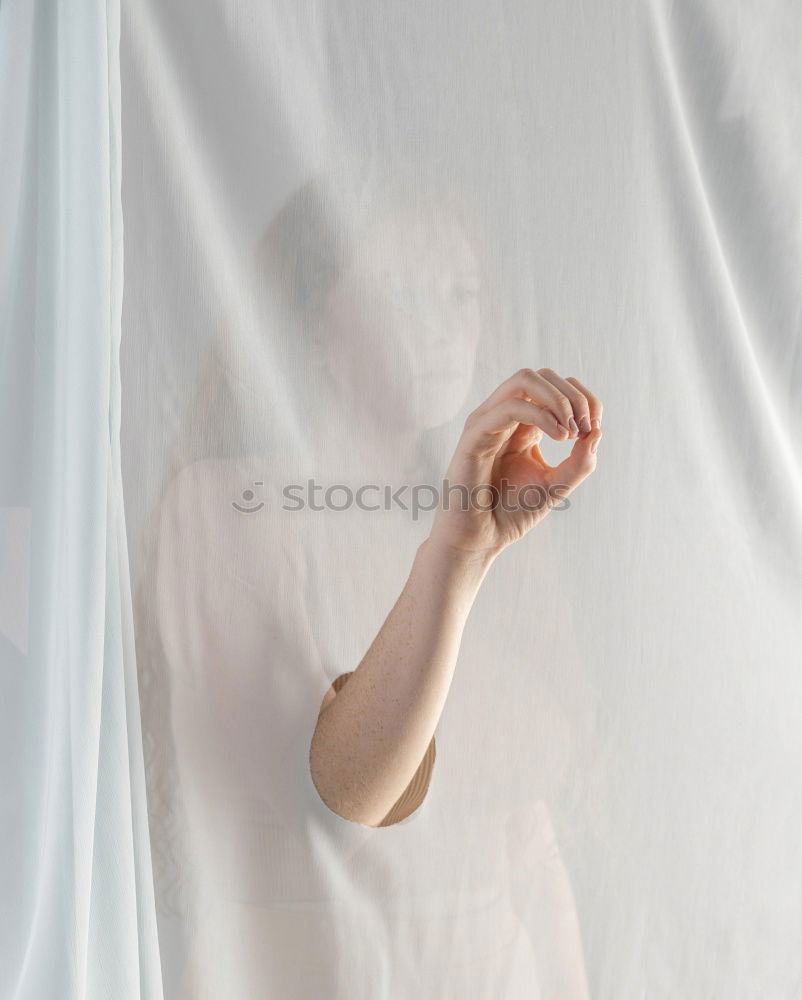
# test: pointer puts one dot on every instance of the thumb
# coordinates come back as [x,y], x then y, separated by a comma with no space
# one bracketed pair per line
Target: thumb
[580,463]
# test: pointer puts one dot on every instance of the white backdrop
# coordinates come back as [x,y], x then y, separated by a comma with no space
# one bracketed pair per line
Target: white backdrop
[345,225]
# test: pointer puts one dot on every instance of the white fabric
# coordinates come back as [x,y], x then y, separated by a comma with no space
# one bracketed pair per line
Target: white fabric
[614,192]
[345,225]
[77,915]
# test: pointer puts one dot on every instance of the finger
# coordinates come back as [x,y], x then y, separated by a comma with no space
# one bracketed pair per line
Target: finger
[579,464]
[595,407]
[575,396]
[523,438]
[526,383]
[486,433]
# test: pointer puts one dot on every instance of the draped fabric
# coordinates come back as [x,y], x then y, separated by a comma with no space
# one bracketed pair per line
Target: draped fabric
[345,226]
[77,908]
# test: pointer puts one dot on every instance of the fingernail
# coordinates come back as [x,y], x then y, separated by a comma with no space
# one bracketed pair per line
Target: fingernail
[596,422]
[595,445]
[584,423]
[561,427]
[573,426]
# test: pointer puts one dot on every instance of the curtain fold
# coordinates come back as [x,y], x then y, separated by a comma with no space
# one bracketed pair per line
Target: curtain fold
[77,917]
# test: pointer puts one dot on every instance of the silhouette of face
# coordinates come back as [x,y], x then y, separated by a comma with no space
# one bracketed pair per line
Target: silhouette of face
[402,323]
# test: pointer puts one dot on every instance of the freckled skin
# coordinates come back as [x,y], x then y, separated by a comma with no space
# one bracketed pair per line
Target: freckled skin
[371,736]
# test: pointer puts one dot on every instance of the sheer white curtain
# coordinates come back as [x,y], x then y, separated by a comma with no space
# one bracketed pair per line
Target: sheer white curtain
[345,226]
[76,893]
[608,190]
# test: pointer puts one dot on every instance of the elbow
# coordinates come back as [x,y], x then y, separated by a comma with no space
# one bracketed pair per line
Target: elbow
[335,792]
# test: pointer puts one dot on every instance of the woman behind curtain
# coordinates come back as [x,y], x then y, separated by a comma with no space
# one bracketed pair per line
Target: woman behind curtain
[250,610]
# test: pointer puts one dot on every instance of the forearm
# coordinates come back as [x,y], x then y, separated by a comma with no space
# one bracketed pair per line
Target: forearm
[557,944]
[371,738]
[544,900]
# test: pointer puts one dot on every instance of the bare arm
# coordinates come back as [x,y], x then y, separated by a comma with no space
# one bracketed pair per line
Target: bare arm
[371,737]
[540,889]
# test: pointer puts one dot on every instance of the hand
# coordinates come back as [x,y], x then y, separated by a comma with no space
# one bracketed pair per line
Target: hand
[498,457]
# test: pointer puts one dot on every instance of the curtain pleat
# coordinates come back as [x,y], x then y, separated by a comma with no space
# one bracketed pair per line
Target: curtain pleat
[77,918]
